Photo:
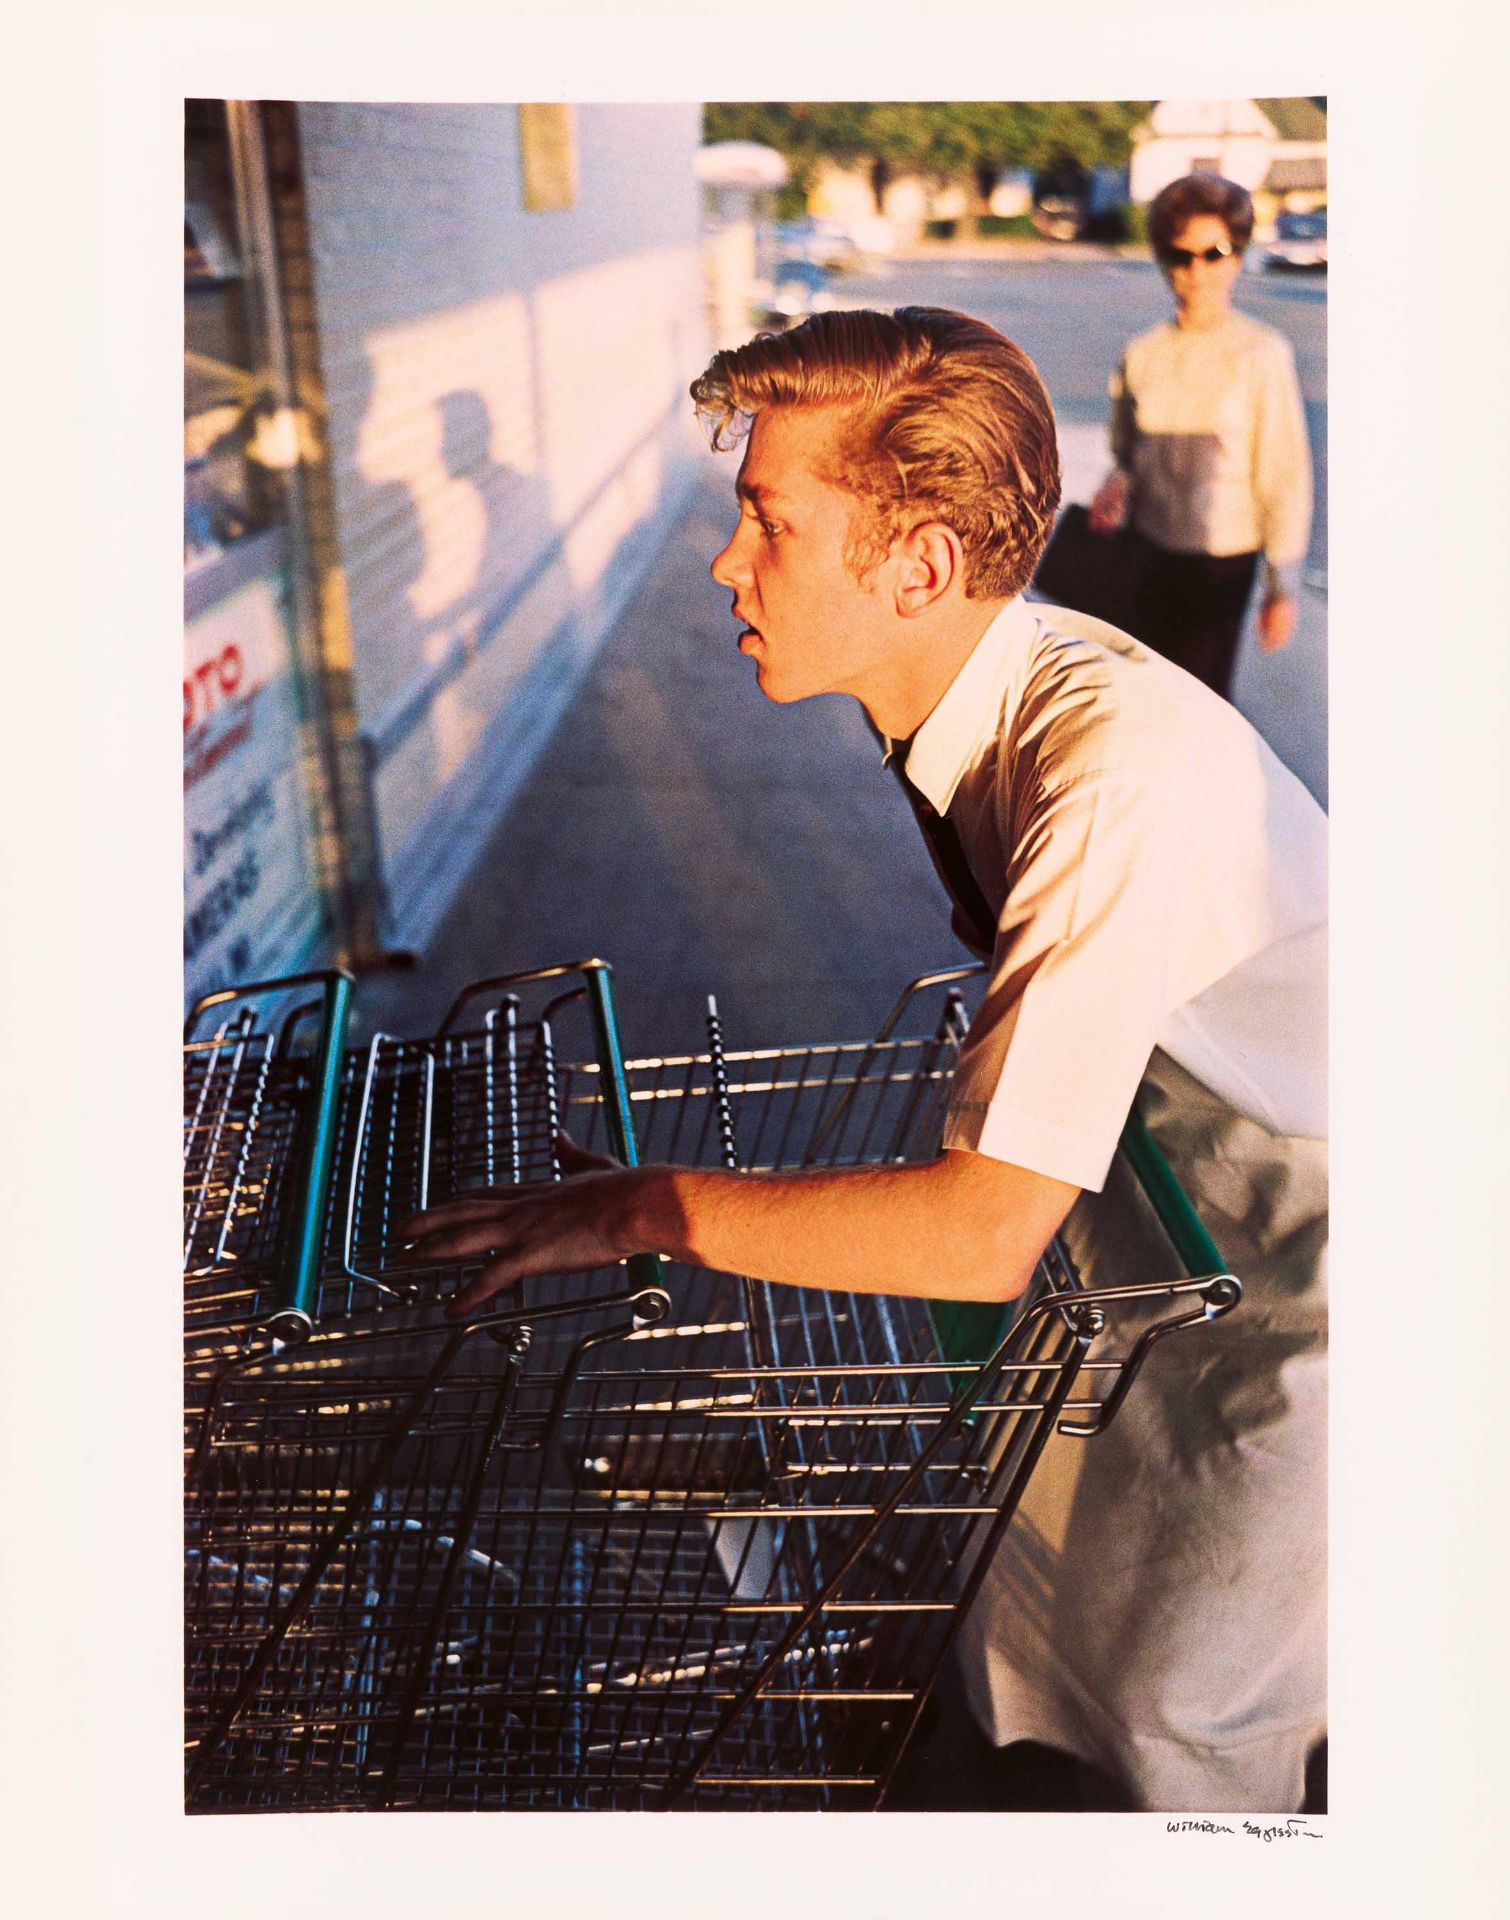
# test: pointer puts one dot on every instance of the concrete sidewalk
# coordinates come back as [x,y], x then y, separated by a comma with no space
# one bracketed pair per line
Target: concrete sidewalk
[699,839]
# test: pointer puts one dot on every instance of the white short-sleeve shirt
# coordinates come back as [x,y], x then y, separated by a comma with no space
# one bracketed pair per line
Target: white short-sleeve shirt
[1158,878]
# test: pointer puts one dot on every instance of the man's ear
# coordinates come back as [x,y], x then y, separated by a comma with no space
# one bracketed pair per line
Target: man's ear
[931,564]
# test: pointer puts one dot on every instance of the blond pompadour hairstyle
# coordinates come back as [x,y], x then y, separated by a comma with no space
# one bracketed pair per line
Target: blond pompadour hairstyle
[946,420]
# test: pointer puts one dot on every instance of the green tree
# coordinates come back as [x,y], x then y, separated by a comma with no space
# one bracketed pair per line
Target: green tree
[941,139]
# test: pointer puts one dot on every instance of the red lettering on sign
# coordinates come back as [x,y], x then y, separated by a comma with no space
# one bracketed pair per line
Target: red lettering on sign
[212,681]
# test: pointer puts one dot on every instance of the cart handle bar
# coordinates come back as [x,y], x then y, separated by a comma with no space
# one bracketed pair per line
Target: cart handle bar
[218,999]
[314,1145]
[644,1268]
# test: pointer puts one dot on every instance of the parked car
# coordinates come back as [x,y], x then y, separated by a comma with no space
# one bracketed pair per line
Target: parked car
[1072,202]
[1060,216]
[1299,243]
[824,243]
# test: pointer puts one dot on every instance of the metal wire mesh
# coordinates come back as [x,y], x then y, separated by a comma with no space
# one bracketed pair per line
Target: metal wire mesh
[470,1588]
[423,1121]
[250,1083]
[698,1543]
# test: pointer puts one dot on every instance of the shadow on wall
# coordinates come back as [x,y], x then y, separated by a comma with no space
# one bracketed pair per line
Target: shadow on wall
[435,547]
[430,556]
[475,612]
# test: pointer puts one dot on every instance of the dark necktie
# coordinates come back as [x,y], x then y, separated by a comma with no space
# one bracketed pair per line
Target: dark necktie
[973,921]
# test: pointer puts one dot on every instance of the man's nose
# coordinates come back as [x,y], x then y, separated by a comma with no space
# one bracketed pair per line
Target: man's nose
[727,569]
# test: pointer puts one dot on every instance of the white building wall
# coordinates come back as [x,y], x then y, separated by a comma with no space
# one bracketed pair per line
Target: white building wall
[510,434]
[1231,137]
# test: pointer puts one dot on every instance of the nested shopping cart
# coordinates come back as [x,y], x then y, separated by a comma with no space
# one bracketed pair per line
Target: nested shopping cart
[649,1537]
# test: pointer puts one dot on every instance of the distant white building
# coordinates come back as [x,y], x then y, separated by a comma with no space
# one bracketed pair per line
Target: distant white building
[1275,148]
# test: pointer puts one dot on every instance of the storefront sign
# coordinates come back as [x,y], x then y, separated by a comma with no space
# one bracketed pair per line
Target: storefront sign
[251,902]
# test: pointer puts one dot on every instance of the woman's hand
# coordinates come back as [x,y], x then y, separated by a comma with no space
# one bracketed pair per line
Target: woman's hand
[548,1226]
[1108,511]
[1276,622]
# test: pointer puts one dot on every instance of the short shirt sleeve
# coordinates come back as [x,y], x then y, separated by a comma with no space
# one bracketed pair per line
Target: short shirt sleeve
[1083,976]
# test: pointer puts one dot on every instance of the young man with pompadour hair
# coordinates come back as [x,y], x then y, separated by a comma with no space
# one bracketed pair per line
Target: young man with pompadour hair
[1148,884]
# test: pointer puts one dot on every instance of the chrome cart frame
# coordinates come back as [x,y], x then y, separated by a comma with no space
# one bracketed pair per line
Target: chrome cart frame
[675,1538]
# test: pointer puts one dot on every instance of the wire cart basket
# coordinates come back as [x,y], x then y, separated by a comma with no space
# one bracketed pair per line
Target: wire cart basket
[659,1537]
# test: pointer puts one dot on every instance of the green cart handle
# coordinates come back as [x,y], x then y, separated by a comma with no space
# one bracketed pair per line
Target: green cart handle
[970,1330]
[314,1148]
[1187,1232]
[597,975]
[644,1268]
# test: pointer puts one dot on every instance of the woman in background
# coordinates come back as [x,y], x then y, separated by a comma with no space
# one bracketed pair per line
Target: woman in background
[1213,468]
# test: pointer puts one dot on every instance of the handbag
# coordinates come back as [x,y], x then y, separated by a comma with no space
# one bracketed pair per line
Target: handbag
[1095,573]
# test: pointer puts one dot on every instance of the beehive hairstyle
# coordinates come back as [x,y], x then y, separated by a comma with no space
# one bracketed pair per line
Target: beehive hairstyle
[1195,193]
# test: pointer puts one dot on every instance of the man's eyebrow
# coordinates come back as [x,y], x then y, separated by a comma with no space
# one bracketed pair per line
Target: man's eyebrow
[757,495]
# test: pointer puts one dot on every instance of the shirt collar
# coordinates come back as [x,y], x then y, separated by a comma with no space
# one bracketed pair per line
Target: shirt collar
[969,711]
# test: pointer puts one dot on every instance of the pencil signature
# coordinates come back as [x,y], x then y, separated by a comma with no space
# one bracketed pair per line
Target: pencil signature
[1294,1828]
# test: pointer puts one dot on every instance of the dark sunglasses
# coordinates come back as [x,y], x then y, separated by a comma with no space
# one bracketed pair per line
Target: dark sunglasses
[1183,257]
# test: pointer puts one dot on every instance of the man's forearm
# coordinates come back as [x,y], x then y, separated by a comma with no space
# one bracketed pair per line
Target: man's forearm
[962,1227]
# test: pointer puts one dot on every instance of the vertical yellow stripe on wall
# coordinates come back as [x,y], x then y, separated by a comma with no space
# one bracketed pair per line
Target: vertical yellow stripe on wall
[548,157]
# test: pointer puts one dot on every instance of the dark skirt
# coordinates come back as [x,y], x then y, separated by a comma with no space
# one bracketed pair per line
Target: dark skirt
[1190,608]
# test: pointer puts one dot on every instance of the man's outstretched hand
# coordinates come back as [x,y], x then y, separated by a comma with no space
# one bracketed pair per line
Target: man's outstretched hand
[960,1227]
[548,1226]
